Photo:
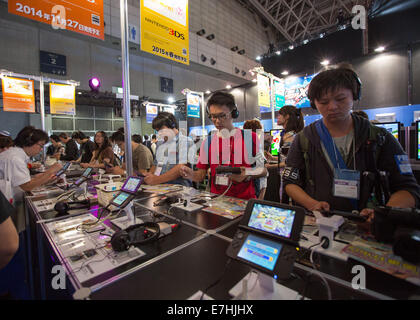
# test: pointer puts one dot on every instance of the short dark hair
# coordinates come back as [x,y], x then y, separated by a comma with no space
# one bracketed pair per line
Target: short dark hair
[361,113]
[154,136]
[29,136]
[221,98]
[146,137]
[117,136]
[78,135]
[254,125]
[63,135]
[137,138]
[5,141]
[54,137]
[164,119]
[333,79]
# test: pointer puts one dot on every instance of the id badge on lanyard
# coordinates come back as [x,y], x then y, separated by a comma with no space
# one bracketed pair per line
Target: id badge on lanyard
[222,179]
[159,167]
[346,183]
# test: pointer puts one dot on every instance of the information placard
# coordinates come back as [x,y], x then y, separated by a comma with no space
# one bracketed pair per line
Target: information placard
[164,29]
[18,95]
[151,112]
[62,99]
[193,105]
[82,16]
[263,93]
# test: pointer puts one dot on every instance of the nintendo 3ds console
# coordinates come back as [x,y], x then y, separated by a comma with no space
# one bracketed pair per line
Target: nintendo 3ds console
[63,169]
[128,192]
[267,238]
[84,177]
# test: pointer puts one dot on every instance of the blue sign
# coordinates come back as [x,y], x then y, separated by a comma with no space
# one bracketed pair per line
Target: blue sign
[295,91]
[151,112]
[193,105]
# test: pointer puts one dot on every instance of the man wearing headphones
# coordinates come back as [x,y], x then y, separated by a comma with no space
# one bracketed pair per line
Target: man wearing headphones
[328,162]
[230,146]
[174,150]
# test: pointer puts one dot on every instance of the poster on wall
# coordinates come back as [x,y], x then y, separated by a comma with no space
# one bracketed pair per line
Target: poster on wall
[62,99]
[151,112]
[18,95]
[193,105]
[164,29]
[278,93]
[295,91]
[169,109]
[81,16]
[263,93]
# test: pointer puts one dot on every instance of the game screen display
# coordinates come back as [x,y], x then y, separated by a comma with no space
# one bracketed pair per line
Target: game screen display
[275,142]
[260,251]
[270,219]
[391,127]
[87,172]
[119,200]
[132,184]
[80,181]
[63,169]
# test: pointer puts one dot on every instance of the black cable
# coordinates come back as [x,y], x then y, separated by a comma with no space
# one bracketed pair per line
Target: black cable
[218,280]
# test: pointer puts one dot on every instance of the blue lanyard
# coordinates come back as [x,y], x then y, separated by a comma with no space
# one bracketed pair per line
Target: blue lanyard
[328,142]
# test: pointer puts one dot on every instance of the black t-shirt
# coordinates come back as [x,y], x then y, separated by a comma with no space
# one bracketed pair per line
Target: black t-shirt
[87,149]
[6,208]
[71,152]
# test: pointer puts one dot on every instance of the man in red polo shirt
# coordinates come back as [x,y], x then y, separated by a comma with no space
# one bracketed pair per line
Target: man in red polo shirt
[229,146]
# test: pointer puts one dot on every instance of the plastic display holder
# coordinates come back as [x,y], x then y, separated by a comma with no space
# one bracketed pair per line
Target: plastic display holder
[130,213]
[327,227]
[259,286]
[63,177]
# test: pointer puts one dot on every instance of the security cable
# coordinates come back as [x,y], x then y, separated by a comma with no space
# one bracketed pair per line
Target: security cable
[317,271]
[218,280]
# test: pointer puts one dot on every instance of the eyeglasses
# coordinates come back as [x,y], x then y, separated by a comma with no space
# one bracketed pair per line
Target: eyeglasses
[41,145]
[220,116]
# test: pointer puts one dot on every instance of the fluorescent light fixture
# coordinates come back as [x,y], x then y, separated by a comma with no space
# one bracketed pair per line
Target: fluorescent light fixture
[285,73]
[325,62]
[291,47]
[171,100]
[278,52]
[80,92]
[208,92]
[380,49]
[228,86]
[258,58]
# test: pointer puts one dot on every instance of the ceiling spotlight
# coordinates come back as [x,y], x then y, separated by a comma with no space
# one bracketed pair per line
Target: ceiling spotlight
[203,58]
[228,86]
[237,70]
[171,100]
[208,91]
[80,92]
[94,84]
[242,51]
[278,52]
[243,73]
[305,41]
[210,37]
[325,62]
[254,80]
[201,32]
[235,48]
[380,49]
[285,73]
[212,61]
[291,47]
[322,35]
[258,58]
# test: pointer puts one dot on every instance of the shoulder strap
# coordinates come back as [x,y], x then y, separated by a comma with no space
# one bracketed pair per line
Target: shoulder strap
[304,146]
[376,134]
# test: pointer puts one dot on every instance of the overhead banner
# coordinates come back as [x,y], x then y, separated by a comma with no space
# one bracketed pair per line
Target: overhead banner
[18,95]
[295,91]
[62,99]
[164,29]
[151,112]
[168,109]
[263,93]
[81,16]
[278,92]
[193,105]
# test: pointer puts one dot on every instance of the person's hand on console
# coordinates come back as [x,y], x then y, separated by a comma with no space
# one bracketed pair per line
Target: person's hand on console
[84,165]
[150,178]
[115,170]
[186,172]
[320,206]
